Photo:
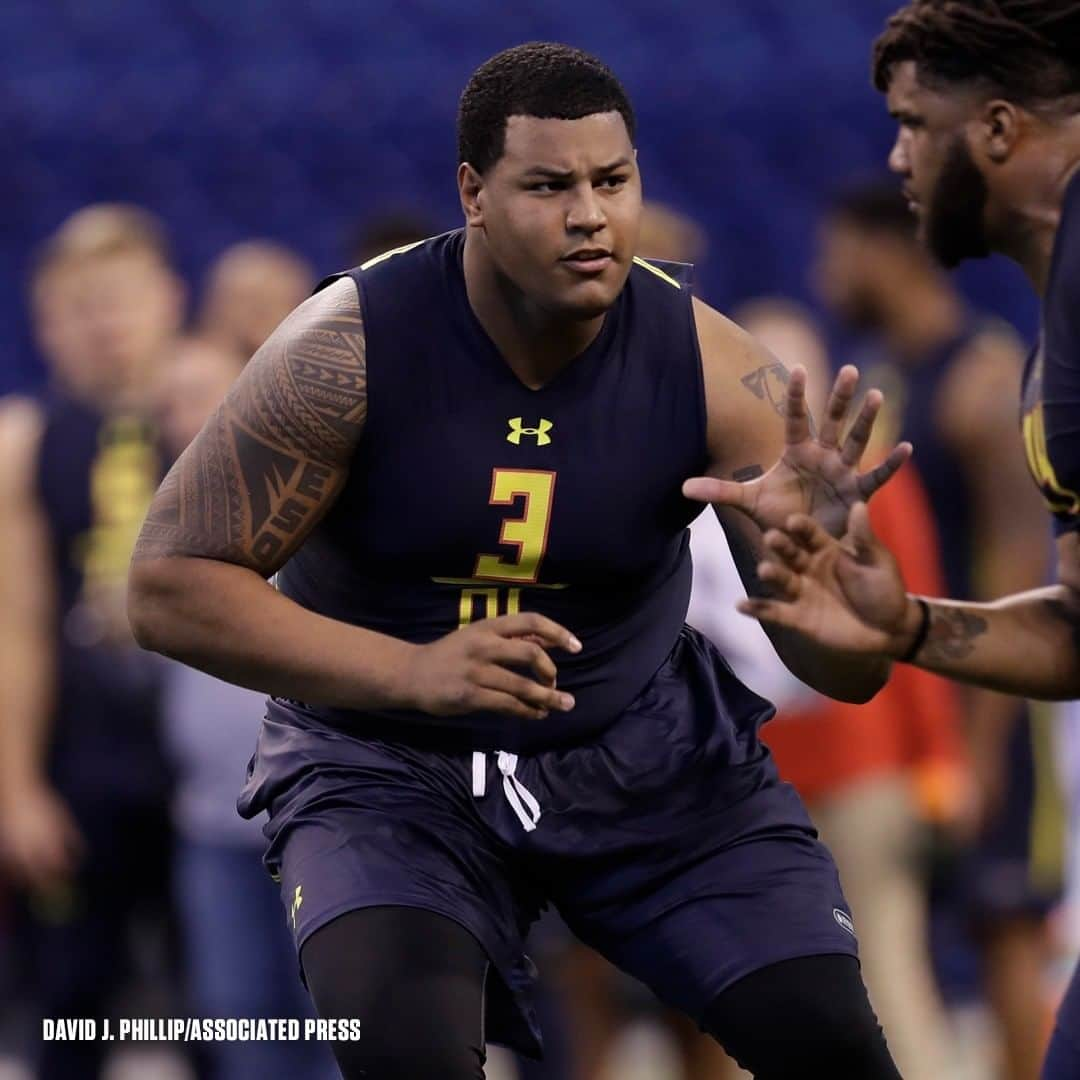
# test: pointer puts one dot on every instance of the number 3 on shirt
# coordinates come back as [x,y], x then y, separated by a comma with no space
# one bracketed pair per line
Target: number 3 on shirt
[528,533]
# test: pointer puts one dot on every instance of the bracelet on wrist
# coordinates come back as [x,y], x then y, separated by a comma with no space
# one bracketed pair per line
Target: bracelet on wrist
[921,634]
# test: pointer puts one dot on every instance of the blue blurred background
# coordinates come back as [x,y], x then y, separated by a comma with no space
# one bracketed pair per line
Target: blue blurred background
[297,121]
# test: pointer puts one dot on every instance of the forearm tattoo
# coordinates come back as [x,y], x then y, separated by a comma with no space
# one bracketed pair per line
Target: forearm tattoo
[952,633]
[269,462]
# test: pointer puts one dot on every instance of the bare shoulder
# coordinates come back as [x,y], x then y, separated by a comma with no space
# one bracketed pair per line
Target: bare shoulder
[745,386]
[21,425]
[268,465]
[307,386]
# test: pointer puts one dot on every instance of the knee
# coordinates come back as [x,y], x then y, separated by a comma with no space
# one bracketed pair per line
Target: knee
[829,1027]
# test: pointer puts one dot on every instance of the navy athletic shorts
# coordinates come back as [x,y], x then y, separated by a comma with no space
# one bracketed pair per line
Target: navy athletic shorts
[668,843]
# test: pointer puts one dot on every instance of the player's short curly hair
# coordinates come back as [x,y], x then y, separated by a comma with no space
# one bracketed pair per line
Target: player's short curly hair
[1025,50]
[542,79]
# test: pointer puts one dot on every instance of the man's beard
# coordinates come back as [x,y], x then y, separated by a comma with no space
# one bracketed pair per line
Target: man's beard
[953,226]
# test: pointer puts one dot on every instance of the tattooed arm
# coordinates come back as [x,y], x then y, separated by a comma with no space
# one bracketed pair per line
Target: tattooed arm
[1026,644]
[850,597]
[756,415]
[242,497]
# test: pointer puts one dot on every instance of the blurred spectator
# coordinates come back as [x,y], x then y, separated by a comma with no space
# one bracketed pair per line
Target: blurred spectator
[250,288]
[240,959]
[950,378]
[861,768]
[83,783]
[670,236]
[386,233]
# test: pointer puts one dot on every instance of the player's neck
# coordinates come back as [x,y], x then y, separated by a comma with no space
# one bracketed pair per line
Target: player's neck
[1034,219]
[535,345]
[920,316]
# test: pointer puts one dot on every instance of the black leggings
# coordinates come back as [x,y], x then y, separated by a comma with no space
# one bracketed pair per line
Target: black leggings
[416,982]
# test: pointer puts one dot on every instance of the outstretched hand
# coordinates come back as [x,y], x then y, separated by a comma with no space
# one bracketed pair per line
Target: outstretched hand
[847,595]
[817,476]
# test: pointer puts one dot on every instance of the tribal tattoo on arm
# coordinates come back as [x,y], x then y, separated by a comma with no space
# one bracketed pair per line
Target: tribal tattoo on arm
[270,462]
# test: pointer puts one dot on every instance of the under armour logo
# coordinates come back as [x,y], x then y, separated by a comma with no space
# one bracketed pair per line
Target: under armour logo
[297,901]
[517,429]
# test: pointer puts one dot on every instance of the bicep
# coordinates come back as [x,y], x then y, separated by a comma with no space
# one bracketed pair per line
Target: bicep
[745,388]
[269,463]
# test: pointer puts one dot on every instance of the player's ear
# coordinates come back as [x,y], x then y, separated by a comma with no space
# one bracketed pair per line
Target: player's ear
[1000,127]
[471,188]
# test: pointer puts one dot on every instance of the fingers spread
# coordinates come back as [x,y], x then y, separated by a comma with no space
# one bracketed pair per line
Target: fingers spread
[782,581]
[836,410]
[712,490]
[773,612]
[796,417]
[871,481]
[859,436]
[806,532]
[783,549]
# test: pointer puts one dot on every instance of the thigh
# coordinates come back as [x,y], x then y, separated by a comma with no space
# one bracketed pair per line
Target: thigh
[740,909]
[414,981]
[829,1028]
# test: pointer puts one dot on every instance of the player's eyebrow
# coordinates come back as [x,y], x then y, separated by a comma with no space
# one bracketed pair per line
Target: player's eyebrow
[552,173]
[548,171]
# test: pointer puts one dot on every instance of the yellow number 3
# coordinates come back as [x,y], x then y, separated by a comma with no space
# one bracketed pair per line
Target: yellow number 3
[528,533]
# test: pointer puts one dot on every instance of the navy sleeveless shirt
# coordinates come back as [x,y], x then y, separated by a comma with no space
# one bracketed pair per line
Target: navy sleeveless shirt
[471,495]
[95,478]
[1051,400]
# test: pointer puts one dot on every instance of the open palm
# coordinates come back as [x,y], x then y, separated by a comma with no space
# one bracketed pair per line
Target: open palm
[818,476]
[846,595]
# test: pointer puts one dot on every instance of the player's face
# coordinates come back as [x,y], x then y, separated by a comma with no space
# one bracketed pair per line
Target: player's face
[946,189]
[561,211]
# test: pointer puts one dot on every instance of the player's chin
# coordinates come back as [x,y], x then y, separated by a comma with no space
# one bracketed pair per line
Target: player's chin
[589,299]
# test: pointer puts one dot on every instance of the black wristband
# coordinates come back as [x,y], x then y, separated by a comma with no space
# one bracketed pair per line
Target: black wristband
[920,638]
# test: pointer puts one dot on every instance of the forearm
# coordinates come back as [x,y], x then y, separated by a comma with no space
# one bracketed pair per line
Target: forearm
[27,675]
[227,621]
[1027,645]
[844,676]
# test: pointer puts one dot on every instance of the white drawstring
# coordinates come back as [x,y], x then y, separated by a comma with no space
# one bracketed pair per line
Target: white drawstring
[521,799]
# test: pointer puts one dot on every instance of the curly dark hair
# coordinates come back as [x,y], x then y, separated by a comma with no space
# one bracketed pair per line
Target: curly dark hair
[542,79]
[1026,50]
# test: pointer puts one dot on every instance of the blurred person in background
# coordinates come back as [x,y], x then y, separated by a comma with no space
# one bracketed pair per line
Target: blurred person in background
[388,232]
[84,831]
[239,958]
[950,377]
[873,776]
[250,288]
